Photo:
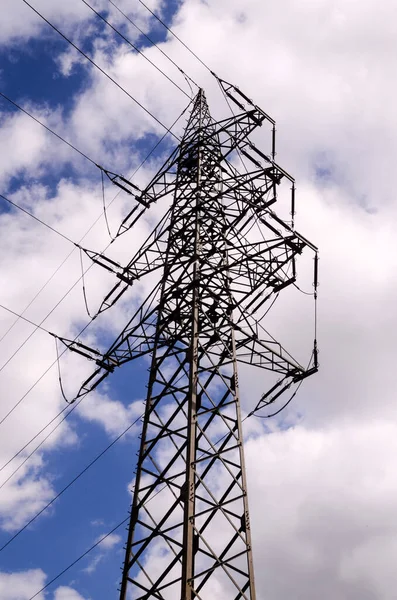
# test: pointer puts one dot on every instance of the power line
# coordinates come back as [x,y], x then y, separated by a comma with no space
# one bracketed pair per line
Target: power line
[168,129]
[19,316]
[29,456]
[26,393]
[44,319]
[153,43]
[253,413]
[37,219]
[80,474]
[37,435]
[135,47]
[24,319]
[79,558]
[41,376]
[176,37]
[81,276]
[94,223]
[49,128]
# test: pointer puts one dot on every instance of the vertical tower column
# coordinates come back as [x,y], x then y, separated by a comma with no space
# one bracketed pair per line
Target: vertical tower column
[189,533]
[190,492]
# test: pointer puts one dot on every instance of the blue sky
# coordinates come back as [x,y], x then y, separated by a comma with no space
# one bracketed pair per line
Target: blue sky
[322,478]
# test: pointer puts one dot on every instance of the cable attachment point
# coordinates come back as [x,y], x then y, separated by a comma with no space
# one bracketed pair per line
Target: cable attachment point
[126,186]
[123,273]
[80,348]
[104,362]
[255,113]
[315,355]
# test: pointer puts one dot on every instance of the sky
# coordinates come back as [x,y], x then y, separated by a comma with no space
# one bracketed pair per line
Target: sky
[321,475]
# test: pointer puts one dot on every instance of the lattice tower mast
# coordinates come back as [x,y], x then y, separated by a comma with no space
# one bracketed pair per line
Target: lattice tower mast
[196,375]
[189,535]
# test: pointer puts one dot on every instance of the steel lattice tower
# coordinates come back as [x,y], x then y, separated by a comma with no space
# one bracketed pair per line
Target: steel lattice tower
[189,534]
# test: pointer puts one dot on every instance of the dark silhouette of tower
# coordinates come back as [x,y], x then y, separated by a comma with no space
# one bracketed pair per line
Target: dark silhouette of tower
[189,534]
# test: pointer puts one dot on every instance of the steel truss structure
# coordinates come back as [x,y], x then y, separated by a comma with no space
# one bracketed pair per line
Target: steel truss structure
[189,535]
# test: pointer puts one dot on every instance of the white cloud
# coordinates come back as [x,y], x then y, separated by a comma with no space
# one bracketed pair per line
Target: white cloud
[67,593]
[20,21]
[325,522]
[112,415]
[23,497]
[110,541]
[21,585]
[323,70]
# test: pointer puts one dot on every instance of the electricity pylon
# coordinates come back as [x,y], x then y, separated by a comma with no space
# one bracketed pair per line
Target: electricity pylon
[189,535]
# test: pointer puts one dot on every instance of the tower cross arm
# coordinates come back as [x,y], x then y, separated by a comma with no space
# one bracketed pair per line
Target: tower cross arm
[134,341]
[162,184]
[130,345]
[266,354]
[242,100]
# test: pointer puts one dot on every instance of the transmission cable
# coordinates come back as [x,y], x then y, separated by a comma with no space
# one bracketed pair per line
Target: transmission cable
[79,558]
[39,433]
[18,403]
[97,219]
[44,319]
[60,413]
[253,413]
[29,456]
[302,291]
[80,474]
[36,219]
[168,129]
[135,47]
[49,128]
[176,37]
[154,43]
[63,297]
[104,205]
[41,376]
[12,312]
[58,356]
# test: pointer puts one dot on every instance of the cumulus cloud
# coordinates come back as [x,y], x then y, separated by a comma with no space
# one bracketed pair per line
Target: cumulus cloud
[321,493]
[112,415]
[20,21]
[326,511]
[21,585]
[67,593]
